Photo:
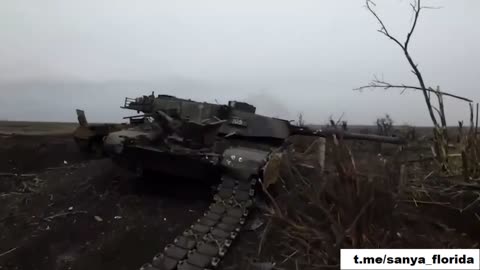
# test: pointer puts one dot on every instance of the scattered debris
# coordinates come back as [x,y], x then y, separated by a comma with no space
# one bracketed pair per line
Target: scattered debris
[49,218]
[289,257]
[8,251]
[308,166]
[63,167]
[117,217]
[30,187]
[254,224]
[11,193]
[97,218]
[17,175]
[28,175]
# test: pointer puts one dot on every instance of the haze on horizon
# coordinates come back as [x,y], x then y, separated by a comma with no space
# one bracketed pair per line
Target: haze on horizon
[285,57]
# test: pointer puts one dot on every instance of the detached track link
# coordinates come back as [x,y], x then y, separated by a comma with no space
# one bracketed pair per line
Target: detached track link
[202,246]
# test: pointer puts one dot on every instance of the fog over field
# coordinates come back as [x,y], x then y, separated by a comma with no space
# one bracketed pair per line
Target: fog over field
[285,57]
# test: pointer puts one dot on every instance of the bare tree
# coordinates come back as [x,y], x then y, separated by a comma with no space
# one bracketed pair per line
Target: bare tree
[436,113]
[404,46]
[385,125]
[339,122]
[301,120]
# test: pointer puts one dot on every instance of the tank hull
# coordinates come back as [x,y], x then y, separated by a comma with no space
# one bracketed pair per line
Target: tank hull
[141,160]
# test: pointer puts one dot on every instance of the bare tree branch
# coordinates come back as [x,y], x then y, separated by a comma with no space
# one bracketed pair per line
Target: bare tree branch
[385,85]
[432,7]
[383,29]
[438,111]
[417,7]
[442,107]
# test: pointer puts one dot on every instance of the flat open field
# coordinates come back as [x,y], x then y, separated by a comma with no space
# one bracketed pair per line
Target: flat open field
[36,128]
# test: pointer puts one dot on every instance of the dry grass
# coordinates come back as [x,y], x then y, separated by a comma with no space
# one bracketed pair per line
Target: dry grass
[470,148]
[321,214]
[314,215]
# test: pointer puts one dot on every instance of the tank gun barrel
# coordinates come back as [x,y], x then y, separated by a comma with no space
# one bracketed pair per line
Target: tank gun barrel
[306,131]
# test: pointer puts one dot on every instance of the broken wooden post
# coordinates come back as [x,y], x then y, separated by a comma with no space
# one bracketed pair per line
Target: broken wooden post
[476,121]
[321,153]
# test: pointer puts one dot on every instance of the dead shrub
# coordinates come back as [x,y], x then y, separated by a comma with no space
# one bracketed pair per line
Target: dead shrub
[470,149]
[318,214]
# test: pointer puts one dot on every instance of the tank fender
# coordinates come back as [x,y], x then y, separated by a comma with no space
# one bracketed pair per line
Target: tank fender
[242,163]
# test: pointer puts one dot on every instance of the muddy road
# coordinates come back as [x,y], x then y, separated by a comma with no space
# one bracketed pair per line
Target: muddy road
[61,210]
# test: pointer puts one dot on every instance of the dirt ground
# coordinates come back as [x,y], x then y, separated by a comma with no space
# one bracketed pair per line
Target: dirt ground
[67,212]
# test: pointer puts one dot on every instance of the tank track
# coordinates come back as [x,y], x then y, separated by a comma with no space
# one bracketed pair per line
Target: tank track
[205,243]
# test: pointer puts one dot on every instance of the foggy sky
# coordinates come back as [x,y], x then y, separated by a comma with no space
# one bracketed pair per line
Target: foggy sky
[285,57]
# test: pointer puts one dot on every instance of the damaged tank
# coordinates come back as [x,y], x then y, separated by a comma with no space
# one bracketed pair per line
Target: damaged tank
[224,143]
[179,133]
